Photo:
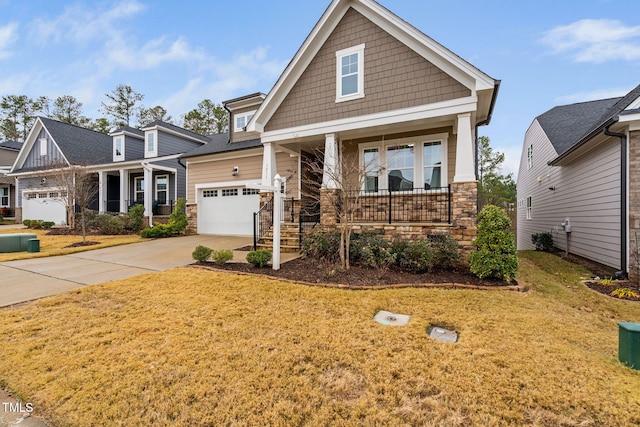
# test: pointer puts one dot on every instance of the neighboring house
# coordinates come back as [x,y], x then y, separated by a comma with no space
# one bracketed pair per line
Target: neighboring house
[581,162]
[8,153]
[365,80]
[130,166]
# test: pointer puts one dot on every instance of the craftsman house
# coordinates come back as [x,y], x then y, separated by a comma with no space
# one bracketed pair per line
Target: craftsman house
[580,167]
[129,166]
[8,153]
[364,85]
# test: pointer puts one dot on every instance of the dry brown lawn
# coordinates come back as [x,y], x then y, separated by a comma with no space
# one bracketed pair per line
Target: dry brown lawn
[56,245]
[191,347]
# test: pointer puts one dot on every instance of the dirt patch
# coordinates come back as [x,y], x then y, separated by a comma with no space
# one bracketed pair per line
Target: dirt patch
[309,270]
[81,244]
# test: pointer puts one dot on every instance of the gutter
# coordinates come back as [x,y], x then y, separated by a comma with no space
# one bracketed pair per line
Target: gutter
[623,195]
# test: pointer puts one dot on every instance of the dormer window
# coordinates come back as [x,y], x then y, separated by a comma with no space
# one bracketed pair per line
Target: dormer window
[242,120]
[151,144]
[118,148]
[350,73]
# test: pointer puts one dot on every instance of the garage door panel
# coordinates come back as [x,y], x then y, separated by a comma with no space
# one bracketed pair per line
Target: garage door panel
[37,206]
[227,211]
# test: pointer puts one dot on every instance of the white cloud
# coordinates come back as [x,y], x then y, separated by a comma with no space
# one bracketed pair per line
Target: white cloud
[8,36]
[592,95]
[595,40]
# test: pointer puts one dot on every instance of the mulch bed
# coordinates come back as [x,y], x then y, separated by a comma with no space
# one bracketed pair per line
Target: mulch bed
[81,244]
[313,272]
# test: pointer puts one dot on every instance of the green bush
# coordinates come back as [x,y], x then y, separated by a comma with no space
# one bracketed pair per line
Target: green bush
[136,217]
[321,245]
[415,256]
[542,241]
[445,250]
[495,255]
[109,224]
[37,224]
[362,240]
[158,230]
[47,224]
[178,218]
[259,258]
[201,253]
[222,256]
[380,257]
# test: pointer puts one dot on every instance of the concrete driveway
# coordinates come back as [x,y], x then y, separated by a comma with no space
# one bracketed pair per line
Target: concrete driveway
[30,279]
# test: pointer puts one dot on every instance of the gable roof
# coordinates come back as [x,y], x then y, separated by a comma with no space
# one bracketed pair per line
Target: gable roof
[434,52]
[219,143]
[571,126]
[170,128]
[128,130]
[11,145]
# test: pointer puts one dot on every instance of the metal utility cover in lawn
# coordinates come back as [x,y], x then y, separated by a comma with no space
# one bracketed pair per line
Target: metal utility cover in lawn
[442,334]
[391,319]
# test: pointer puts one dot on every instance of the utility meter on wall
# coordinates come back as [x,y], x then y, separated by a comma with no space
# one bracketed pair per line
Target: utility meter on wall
[566,224]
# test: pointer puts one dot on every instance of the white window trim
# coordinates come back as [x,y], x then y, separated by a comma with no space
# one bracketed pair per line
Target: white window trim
[156,188]
[359,49]
[8,196]
[247,120]
[135,188]
[418,167]
[530,157]
[529,206]
[153,153]
[116,157]
[43,146]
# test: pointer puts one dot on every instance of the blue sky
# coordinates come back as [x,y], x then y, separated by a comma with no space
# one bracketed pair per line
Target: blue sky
[546,53]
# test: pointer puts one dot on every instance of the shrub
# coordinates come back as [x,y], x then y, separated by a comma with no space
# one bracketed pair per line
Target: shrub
[495,255]
[361,241]
[178,218]
[446,252]
[415,256]
[158,230]
[259,258]
[542,241]
[201,253]
[380,257]
[222,256]
[321,245]
[136,217]
[37,224]
[109,224]
[47,224]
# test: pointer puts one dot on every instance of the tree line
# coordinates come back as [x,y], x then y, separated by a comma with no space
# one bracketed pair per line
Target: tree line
[123,107]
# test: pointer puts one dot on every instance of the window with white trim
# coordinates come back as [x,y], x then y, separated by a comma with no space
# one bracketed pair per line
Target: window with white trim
[151,144]
[530,157]
[43,146]
[405,164]
[4,197]
[350,73]
[139,189]
[162,189]
[118,149]
[242,120]
[529,206]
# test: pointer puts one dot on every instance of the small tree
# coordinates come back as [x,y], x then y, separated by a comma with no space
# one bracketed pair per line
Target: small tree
[496,250]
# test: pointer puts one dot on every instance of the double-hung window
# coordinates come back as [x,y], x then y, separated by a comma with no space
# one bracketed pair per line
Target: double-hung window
[405,164]
[242,120]
[4,197]
[162,189]
[350,73]
[530,157]
[139,189]
[151,144]
[529,206]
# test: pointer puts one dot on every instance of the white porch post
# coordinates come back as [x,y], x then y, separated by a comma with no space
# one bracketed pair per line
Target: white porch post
[330,169]
[148,193]
[102,192]
[465,170]
[268,164]
[124,190]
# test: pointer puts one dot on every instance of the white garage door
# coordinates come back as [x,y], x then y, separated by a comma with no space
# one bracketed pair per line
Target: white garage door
[227,211]
[46,206]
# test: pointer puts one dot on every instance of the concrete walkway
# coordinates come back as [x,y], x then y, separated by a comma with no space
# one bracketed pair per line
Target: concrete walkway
[30,279]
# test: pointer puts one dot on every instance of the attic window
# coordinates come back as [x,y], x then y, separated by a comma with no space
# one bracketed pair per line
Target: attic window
[118,149]
[151,144]
[43,146]
[350,73]
[242,120]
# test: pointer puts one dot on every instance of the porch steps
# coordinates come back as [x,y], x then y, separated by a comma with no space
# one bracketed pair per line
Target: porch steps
[289,238]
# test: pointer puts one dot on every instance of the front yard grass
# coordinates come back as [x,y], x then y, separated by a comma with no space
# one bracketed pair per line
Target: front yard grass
[193,347]
[56,245]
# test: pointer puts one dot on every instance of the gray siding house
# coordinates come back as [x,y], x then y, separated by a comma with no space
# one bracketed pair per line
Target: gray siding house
[8,152]
[579,163]
[130,166]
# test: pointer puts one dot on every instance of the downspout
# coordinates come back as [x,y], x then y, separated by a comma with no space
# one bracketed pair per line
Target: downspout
[623,196]
[228,122]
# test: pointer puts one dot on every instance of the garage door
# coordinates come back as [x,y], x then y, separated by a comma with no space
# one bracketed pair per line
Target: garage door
[227,211]
[46,206]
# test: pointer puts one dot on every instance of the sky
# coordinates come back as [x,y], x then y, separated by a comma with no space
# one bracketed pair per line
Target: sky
[546,53]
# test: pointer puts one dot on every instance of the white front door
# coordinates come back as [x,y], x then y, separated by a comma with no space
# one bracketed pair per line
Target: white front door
[227,211]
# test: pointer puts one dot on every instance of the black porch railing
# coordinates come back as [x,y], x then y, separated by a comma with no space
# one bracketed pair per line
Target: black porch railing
[7,212]
[309,218]
[262,222]
[414,205]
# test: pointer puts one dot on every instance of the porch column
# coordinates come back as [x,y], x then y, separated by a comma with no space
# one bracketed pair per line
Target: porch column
[102,192]
[269,167]
[124,190]
[148,193]
[465,170]
[331,163]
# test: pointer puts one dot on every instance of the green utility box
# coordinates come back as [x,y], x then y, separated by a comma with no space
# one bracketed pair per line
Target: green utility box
[629,344]
[33,245]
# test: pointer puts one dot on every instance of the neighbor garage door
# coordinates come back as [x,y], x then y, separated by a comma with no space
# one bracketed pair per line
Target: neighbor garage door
[46,206]
[227,211]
